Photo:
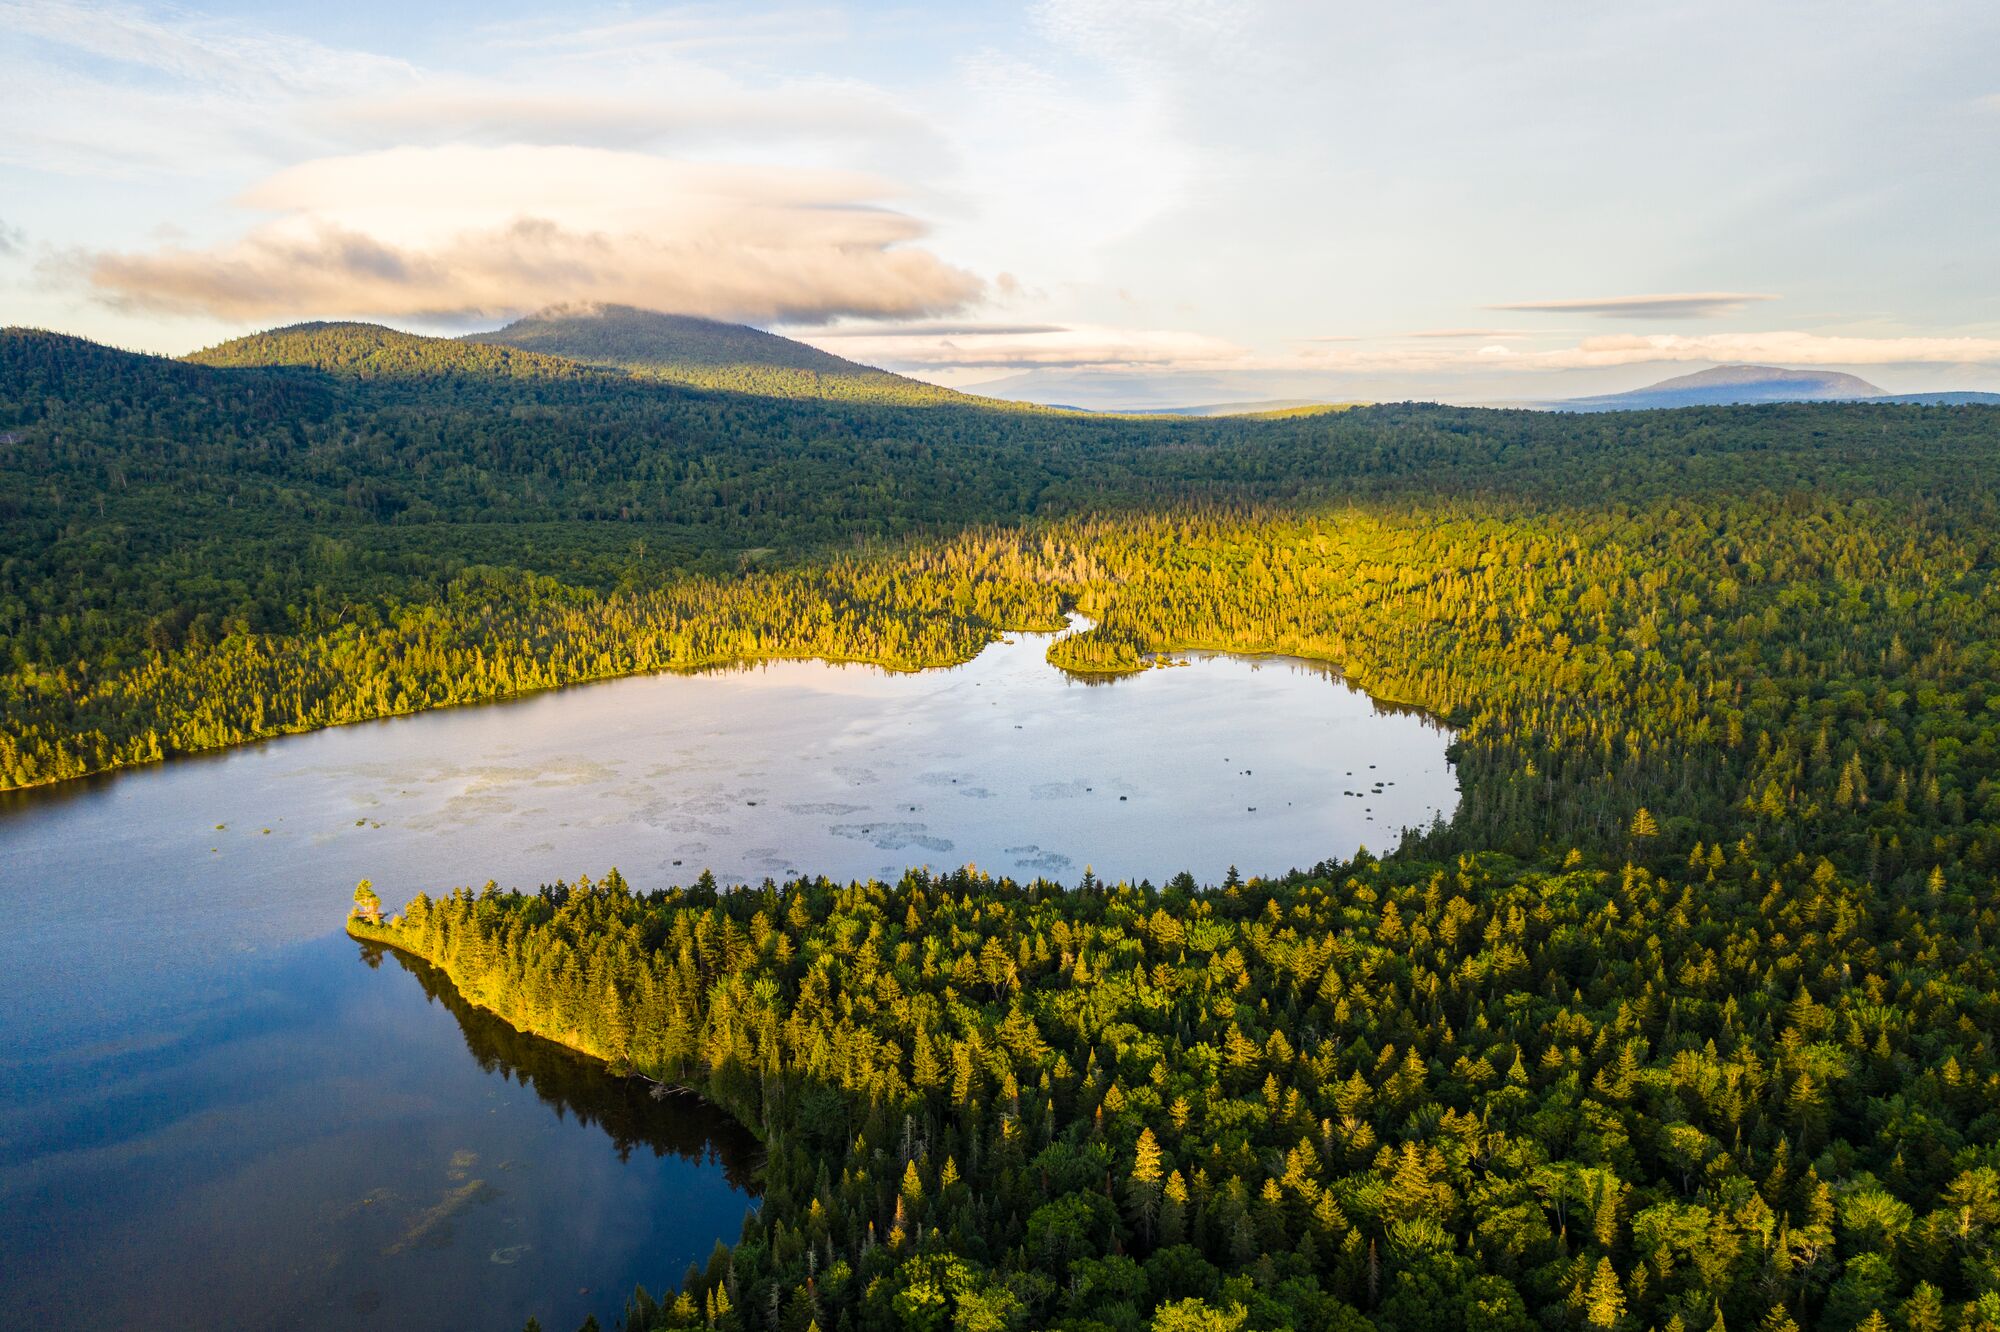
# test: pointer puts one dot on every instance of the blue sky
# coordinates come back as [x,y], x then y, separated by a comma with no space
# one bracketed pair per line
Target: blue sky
[1467,201]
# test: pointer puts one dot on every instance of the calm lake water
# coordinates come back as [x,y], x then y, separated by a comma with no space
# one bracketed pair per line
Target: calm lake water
[218,1111]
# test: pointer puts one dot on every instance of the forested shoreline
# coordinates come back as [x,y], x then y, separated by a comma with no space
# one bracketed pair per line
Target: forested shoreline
[1685,1021]
[349,523]
[1412,1094]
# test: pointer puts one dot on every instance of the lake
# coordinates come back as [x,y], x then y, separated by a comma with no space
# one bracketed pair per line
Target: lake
[217,1110]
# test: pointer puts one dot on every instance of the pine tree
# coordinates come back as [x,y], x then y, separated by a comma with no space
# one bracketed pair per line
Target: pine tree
[1173,1210]
[1142,1189]
[1604,1300]
[1779,1319]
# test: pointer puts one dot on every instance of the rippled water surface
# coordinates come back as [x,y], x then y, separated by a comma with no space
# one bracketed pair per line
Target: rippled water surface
[215,1110]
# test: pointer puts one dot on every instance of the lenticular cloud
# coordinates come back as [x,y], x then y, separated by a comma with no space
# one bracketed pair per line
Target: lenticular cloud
[487,232]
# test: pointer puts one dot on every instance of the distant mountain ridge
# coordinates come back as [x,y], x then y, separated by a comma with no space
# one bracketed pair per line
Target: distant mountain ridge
[1947,398]
[710,354]
[633,339]
[1728,385]
[1734,385]
[585,346]
[1267,409]
[1237,408]
[1117,392]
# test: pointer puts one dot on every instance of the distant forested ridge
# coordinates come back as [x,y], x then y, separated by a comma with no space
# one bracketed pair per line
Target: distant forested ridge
[334,522]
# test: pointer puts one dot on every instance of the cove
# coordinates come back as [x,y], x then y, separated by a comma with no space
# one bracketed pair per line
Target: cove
[216,1110]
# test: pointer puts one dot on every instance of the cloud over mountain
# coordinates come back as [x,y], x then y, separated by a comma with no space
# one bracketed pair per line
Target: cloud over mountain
[476,232]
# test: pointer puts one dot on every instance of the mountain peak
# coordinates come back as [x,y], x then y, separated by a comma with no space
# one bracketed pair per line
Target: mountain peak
[651,340]
[1815,383]
[711,354]
[1724,385]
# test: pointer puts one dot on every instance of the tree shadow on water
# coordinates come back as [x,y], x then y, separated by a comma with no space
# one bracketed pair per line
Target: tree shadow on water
[574,1084]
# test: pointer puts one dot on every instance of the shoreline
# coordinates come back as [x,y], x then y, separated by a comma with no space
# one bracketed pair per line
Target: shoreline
[1154,660]
[387,935]
[583,681]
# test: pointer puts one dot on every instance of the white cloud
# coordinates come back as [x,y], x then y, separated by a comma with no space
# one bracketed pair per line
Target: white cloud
[488,232]
[1790,348]
[676,31]
[117,89]
[110,90]
[1670,305]
[1067,147]
[1458,333]
[1034,346]
[1100,147]
[1146,33]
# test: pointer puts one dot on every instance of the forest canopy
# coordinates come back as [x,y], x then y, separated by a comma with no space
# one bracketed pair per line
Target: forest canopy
[1686,1020]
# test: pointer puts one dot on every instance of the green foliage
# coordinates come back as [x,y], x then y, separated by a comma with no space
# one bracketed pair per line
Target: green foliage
[1424,1093]
[370,351]
[1684,1020]
[374,522]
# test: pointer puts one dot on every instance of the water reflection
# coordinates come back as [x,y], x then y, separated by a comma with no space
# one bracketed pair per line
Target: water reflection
[210,1116]
[342,1146]
[580,1088]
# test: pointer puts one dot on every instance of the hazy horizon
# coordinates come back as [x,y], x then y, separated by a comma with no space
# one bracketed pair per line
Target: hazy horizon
[1193,199]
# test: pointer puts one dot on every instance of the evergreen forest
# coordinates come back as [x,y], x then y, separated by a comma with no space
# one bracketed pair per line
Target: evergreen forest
[1685,1021]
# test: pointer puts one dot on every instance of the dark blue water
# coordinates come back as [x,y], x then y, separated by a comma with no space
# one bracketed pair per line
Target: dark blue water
[334,1147]
[216,1111]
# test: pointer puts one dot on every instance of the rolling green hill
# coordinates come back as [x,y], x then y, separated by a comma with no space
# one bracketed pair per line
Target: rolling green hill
[370,351]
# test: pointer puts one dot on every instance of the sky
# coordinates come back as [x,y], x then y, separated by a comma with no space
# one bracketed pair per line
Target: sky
[1191,198]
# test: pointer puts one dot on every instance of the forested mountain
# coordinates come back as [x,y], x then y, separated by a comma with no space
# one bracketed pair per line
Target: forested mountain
[634,339]
[707,353]
[370,351]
